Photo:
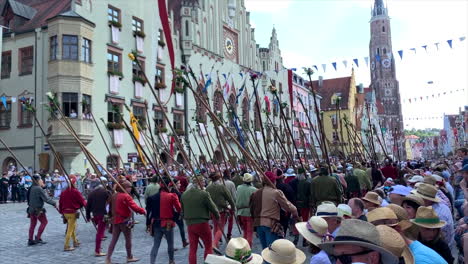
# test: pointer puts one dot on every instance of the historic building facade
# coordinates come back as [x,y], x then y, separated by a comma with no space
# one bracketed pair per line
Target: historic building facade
[77,50]
[383,76]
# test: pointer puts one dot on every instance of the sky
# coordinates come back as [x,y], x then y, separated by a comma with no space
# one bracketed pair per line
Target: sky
[316,32]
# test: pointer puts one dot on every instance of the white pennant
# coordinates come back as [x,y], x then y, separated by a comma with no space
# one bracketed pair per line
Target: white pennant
[324,66]
[366,59]
[345,62]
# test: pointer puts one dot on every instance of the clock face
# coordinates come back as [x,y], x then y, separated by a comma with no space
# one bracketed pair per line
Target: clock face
[229,45]
[372,66]
[388,92]
[386,63]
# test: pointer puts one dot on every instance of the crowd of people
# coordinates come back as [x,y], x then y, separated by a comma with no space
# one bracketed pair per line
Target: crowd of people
[344,212]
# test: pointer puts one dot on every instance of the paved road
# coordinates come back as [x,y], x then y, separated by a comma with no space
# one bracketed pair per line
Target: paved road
[14,235]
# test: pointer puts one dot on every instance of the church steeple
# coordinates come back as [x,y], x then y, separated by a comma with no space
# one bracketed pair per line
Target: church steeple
[379,8]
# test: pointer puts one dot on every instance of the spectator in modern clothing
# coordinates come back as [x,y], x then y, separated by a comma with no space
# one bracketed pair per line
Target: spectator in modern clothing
[389,170]
[357,208]
[152,188]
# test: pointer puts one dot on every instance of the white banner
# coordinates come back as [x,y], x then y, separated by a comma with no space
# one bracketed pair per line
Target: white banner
[115,34]
[114,84]
[118,137]
[179,99]
[139,43]
[138,89]
[202,129]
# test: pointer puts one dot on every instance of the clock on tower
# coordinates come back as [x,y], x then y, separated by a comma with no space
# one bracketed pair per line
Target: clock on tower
[230,44]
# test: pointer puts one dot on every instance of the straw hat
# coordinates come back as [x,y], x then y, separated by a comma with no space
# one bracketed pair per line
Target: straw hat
[382,213]
[372,197]
[215,259]
[430,179]
[344,210]
[399,211]
[247,177]
[427,217]
[416,178]
[314,230]
[327,209]
[427,192]
[289,173]
[239,249]
[413,198]
[283,251]
[359,233]
[394,242]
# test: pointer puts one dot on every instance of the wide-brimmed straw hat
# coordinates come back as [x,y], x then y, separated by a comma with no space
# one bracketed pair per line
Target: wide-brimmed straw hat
[344,210]
[238,249]
[372,197]
[314,230]
[427,217]
[416,178]
[402,215]
[427,192]
[360,233]
[382,213]
[289,173]
[413,198]
[394,242]
[327,209]
[247,177]
[283,251]
[215,259]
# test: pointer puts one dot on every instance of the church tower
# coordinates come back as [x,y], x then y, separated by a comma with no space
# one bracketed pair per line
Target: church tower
[383,72]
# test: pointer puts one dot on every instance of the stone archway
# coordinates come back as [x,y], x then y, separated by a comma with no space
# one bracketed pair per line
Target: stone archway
[7,163]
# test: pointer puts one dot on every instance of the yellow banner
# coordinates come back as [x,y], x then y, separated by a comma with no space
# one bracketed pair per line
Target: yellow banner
[136,133]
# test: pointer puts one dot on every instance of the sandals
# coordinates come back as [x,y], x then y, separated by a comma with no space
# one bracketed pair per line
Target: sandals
[133,259]
[100,254]
[69,249]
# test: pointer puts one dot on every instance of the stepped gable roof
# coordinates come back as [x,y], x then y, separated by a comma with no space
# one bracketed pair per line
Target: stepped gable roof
[37,12]
[331,87]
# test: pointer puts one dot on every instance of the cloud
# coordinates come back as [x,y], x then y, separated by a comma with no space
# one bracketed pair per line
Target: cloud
[267,6]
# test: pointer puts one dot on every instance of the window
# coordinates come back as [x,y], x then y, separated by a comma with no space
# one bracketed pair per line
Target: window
[113,14]
[112,162]
[6,64]
[53,48]
[70,104]
[26,60]
[69,47]
[334,121]
[137,71]
[113,112]
[86,106]
[335,136]
[5,115]
[280,88]
[178,122]
[187,32]
[384,51]
[139,113]
[137,24]
[159,78]
[158,119]
[218,103]
[86,50]
[113,61]
[26,117]
[383,29]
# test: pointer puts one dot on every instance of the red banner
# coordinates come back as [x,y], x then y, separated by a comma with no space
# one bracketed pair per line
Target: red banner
[163,14]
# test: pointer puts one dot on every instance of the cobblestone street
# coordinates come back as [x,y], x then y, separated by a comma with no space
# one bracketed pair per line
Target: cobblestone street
[13,241]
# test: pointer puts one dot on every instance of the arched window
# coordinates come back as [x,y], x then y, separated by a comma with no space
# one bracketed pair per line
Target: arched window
[201,109]
[233,107]
[8,164]
[245,112]
[257,125]
[186,28]
[218,103]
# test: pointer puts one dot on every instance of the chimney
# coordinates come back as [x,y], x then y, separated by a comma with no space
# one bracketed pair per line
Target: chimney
[320,81]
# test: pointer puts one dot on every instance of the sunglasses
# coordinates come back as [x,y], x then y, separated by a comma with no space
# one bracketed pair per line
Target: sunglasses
[348,258]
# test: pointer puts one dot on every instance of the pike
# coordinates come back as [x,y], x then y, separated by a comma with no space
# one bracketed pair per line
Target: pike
[309,73]
[116,149]
[287,126]
[257,104]
[275,134]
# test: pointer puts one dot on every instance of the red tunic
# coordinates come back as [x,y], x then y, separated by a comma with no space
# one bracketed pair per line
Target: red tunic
[70,201]
[123,205]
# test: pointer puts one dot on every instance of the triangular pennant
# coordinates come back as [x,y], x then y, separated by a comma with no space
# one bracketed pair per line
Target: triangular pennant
[462,39]
[356,61]
[437,45]
[324,66]
[316,68]
[400,52]
[334,65]
[425,47]
[345,63]
[366,59]
[450,43]
[413,49]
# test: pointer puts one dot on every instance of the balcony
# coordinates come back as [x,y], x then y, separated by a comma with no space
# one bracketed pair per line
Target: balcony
[64,142]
